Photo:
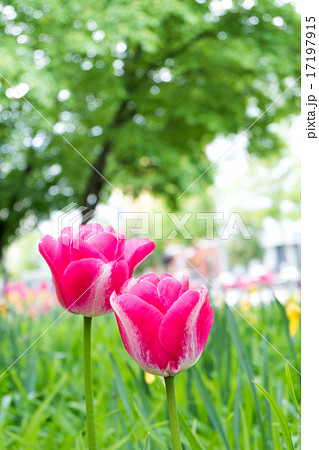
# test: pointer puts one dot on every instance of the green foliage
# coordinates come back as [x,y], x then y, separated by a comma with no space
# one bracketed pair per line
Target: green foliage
[291,388]
[280,416]
[150,84]
[42,398]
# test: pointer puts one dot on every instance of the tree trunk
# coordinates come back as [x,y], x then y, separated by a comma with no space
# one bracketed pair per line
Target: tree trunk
[95,184]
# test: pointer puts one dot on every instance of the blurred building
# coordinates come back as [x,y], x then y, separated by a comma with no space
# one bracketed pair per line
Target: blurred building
[281,241]
[206,259]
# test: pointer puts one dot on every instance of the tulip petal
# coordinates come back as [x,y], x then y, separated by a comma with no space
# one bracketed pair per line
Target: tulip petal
[205,318]
[168,289]
[88,287]
[68,231]
[185,285]
[84,250]
[139,324]
[119,275]
[120,247]
[89,230]
[136,250]
[105,243]
[185,328]
[48,248]
[151,278]
[110,229]
[62,259]
[147,292]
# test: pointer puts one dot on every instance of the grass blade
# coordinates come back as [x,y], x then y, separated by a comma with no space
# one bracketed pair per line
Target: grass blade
[280,416]
[146,424]
[265,376]
[291,389]
[31,431]
[246,445]
[237,410]
[210,408]
[247,367]
[193,442]
[19,384]
[120,387]
[147,442]
[2,445]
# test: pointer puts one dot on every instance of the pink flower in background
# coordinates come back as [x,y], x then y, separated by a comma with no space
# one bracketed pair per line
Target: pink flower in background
[164,325]
[18,288]
[88,267]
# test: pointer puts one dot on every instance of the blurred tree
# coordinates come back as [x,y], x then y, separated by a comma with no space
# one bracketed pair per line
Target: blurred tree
[138,88]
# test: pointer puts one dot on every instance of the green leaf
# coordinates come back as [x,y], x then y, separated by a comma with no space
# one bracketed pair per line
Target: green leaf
[265,375]
[280,416]
[147,442]
[18,383]
[291,389]
[210,408]
[120,387]
[31,430]
[195,445]
[246,445]
[119,444]
[237,401]
[146,424]
[276,437]
[247,367]
[2,444]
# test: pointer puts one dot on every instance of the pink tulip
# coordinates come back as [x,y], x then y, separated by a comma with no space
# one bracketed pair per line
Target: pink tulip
[88,267]
[164,325]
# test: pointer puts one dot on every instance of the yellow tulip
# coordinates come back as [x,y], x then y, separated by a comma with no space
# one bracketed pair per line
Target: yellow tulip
[293,314]
[244,303]
[3,309]
[149,378]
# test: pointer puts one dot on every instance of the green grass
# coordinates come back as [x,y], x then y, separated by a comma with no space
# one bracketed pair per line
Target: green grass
[220,407]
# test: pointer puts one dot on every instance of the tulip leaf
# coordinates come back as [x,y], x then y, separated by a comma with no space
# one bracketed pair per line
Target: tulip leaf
[210,408]
[15,438]
[247,367]
[237,417]
[119,444]
[276,437]
[193,442]
[120,387]
[265,375]
[246,444]
[18,383]
[2,444]
[146,424]
[280,416]
[291,389]
[31,430]
[147,442]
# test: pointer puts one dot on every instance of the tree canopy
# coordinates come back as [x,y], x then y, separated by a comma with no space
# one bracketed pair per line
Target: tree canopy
[139,89]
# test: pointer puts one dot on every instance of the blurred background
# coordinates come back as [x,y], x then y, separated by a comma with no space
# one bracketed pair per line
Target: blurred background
[151,96]
[114,111]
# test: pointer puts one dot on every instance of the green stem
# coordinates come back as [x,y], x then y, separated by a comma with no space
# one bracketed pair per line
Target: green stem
[172,413]
[88,382]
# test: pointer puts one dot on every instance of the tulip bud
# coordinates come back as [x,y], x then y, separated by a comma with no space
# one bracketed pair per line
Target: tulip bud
[164,325]
[88,267]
